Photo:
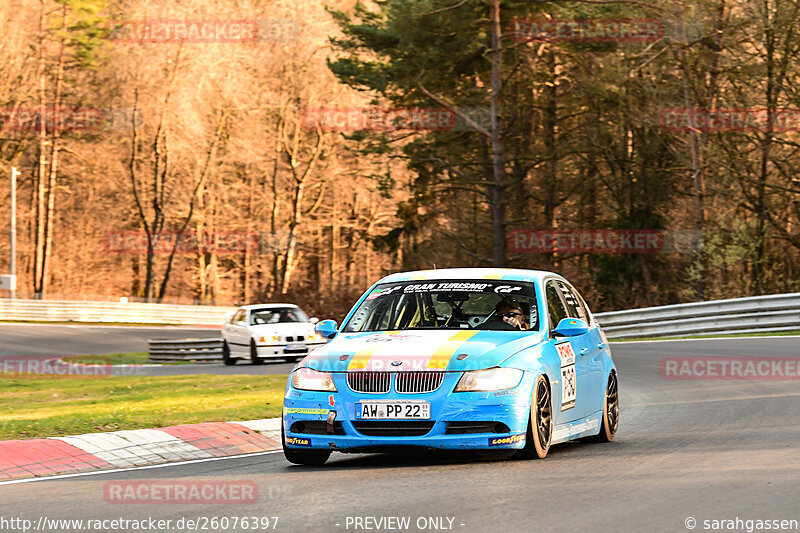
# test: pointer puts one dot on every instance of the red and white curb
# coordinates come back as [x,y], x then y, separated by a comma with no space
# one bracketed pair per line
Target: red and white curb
[137,447]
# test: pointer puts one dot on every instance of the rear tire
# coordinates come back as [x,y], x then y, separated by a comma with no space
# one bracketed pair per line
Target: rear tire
[226,354]
[302,457]
[609,423]
[540,423]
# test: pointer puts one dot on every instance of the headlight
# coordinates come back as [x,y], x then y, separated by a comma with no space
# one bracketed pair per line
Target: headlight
[488,380]
[315,338]
[309,379]
[271,339]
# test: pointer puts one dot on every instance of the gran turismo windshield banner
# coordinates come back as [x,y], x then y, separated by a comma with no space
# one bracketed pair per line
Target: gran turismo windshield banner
[483,286]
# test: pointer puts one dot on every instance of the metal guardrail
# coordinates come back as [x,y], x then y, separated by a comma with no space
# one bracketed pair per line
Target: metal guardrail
[133,313]
[778,312]
[171,350]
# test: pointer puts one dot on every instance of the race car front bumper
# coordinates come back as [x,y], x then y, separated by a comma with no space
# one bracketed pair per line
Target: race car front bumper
[458,420]
[298,349]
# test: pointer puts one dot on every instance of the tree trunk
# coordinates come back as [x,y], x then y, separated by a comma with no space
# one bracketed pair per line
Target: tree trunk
[497,189]
[41,173]
[52,174]
[698,211]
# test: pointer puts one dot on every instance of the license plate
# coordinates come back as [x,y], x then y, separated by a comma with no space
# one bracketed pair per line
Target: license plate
[295,349]
[393,410]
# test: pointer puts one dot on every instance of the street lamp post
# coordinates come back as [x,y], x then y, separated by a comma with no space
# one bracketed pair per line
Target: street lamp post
[13,260]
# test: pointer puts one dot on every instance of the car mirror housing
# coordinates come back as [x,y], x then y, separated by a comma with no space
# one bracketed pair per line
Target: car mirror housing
[327,328]
[571,327]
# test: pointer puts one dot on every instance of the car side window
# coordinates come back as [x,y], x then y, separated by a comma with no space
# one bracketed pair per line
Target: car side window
[575,305]
[583,309]
[237,316]
[555,307]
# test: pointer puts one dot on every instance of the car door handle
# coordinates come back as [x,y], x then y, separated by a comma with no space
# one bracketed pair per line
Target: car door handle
[584,351]
[601,345]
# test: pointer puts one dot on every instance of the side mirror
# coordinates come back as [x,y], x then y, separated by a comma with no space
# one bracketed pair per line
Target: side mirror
[313,320]
[326,328]
[571,327]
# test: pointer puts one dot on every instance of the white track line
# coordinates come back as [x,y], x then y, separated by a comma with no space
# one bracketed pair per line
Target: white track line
[114,470]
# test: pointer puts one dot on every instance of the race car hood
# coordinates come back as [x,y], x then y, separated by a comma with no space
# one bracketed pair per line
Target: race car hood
[450,350]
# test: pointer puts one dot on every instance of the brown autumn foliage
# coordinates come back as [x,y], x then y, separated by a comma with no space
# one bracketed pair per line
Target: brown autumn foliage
[207,139]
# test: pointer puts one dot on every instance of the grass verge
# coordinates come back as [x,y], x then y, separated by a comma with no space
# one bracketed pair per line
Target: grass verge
[48,406]
[134,358]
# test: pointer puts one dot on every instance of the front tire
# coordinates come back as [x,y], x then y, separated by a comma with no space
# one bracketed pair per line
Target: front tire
[610,420]
[254,354]
[302,457]
[540,423]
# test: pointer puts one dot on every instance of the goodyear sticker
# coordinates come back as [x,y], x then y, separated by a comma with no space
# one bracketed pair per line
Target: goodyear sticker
[502,441]
[306,411]
[297,441]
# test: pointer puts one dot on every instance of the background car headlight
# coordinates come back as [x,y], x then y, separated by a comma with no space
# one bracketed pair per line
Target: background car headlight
[489,380]
[309,379]
[271,339]
[315,338]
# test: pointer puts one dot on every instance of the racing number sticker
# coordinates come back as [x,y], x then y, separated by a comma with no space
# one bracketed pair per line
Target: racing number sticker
[569,388]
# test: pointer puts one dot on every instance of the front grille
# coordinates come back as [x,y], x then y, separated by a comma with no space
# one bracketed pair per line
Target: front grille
[371,382]
[411,382]
[462,428]
[393,429]
[406,382]
[316,427]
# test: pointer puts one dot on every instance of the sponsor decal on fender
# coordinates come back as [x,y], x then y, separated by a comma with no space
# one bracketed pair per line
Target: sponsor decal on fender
[297,441]
[502,441]
[306,411]
[570,430]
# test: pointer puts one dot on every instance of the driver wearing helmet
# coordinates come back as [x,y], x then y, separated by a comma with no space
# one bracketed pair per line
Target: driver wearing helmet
[506,316]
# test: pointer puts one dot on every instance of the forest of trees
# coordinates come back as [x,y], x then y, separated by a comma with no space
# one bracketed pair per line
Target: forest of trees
[260,128]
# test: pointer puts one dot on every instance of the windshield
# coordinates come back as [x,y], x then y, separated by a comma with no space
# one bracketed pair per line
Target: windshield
[277,315]
[481,304]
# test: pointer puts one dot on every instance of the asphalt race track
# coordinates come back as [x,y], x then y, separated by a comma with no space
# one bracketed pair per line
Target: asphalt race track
[58,339]
[686,452]
[44,340]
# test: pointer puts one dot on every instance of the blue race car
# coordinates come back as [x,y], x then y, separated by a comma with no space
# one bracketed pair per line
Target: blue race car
[457,359]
